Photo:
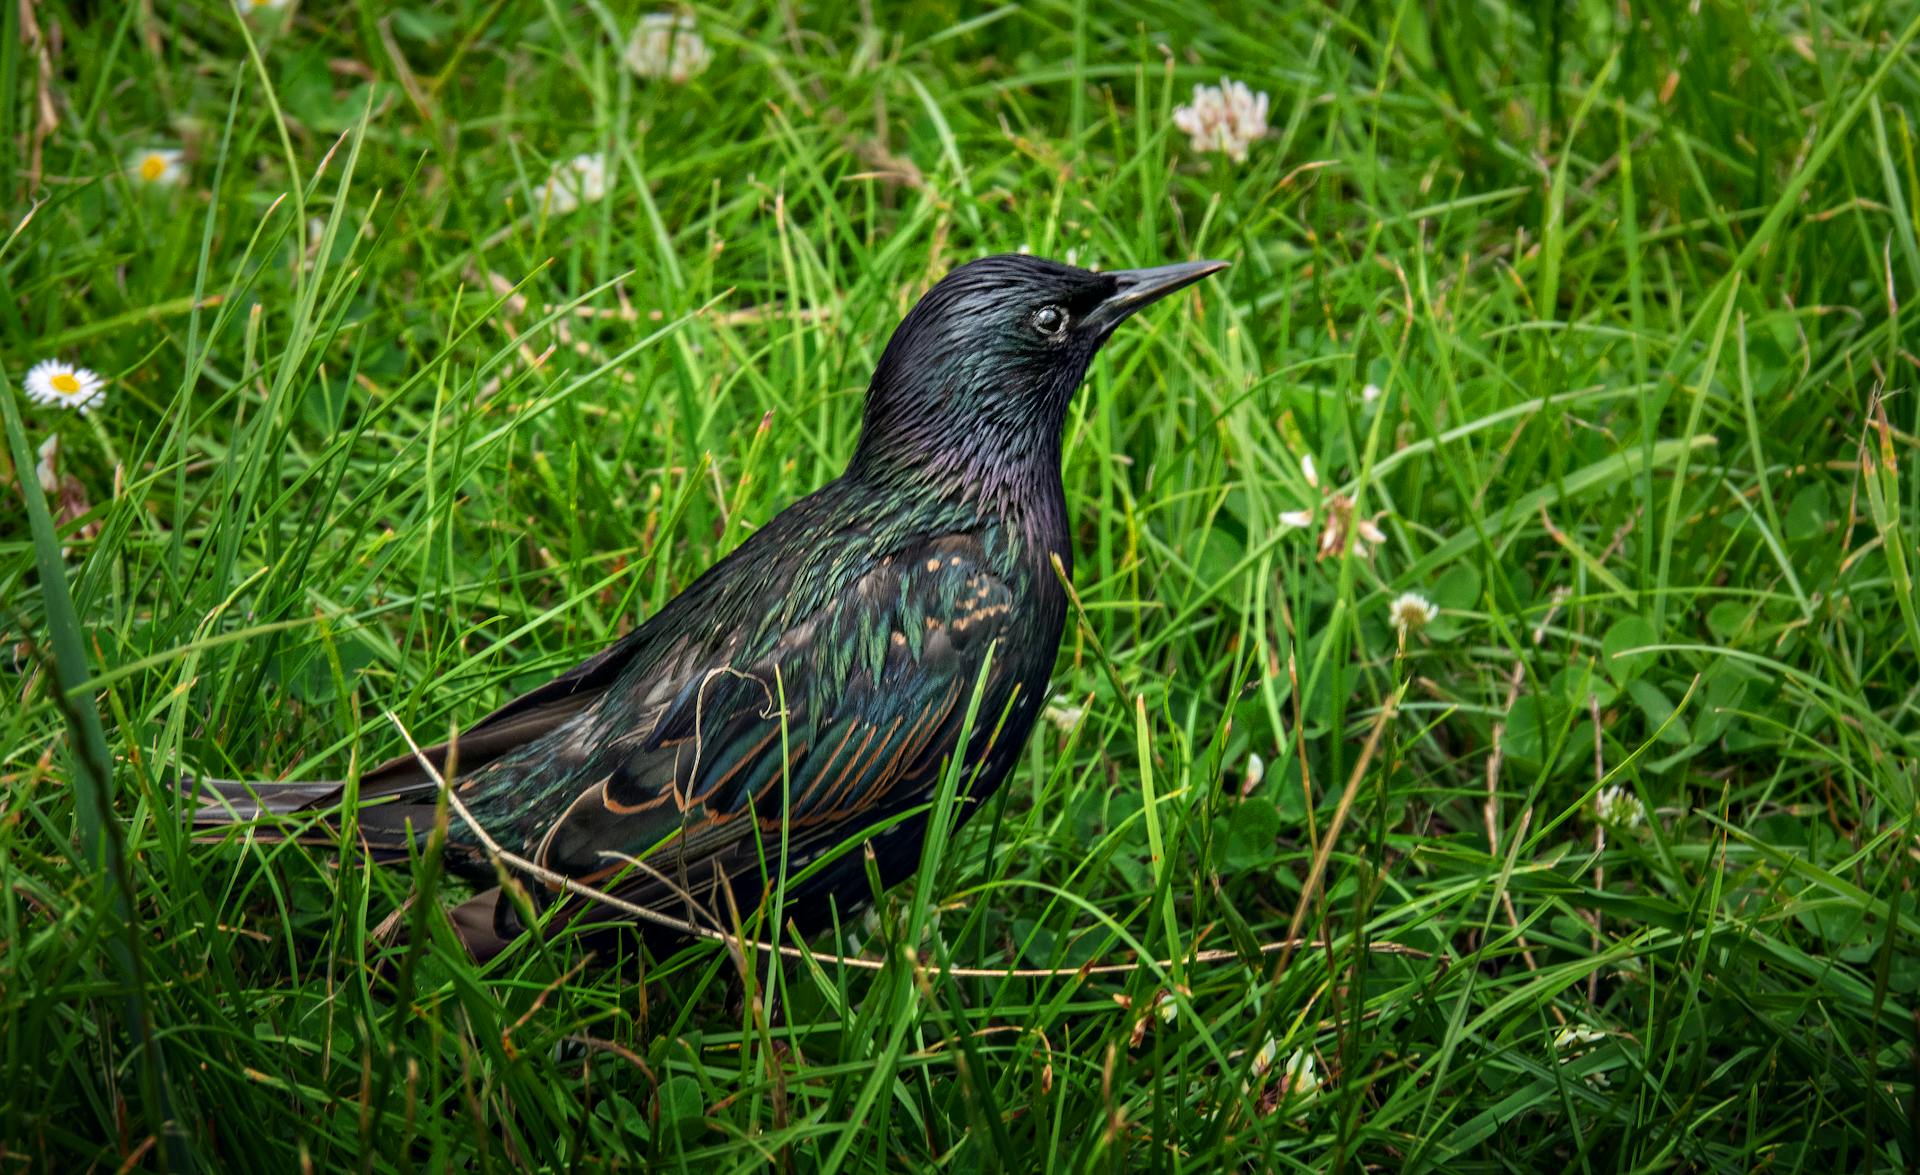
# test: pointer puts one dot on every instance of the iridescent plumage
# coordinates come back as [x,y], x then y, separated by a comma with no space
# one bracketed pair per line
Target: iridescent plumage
[815,682]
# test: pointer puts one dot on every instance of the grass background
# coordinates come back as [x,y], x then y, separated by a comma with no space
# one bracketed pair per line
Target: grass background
[1629,275]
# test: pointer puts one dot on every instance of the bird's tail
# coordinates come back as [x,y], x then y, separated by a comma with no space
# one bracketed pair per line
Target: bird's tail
[388,830]
[305,811]
[219,802]
[309,812]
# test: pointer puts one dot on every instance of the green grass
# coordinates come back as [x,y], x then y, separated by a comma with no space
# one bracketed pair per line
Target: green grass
[379,439]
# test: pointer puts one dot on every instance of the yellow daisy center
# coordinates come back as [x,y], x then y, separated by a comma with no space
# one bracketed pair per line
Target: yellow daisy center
[153,167]
[65,383]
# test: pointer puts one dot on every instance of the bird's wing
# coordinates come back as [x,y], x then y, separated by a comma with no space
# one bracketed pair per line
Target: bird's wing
[875,687]
[530,716]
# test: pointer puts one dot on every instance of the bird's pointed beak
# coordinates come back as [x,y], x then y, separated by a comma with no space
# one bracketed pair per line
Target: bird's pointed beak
[1138,288]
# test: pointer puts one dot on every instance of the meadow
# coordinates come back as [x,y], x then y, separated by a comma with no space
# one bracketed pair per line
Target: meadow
[438,344]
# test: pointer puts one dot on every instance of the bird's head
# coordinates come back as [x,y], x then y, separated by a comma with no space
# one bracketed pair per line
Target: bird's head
[979,374]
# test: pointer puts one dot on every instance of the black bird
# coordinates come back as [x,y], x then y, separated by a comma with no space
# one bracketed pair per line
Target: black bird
[657,770]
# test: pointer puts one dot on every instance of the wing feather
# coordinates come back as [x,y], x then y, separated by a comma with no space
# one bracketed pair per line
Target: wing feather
[862,748]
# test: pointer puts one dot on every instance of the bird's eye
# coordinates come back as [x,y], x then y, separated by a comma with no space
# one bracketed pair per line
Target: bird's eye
[1050,320]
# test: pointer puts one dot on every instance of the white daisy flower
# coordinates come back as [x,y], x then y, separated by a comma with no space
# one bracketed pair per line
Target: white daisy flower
[160,167]
[668,45]
[1619,807]
[52,382]
[1227,117]
[580,180]
[1411,611]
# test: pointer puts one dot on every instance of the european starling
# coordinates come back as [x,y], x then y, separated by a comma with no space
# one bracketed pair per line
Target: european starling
[658,770]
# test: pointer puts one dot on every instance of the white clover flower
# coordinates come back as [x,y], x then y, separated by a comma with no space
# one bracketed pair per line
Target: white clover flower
[1572,1042]
[1227,117]
[1166,1007]
[1369,532]
[1411,612]
[160,167]
[66,496]
[1065,716]
[1370,393]
[1264,1059]
[580,180]
[1291,519]
[1299,1078]
[1339,521]
[668,45]
[1575,1037]
[1256,771]
[1619,807]
[47,469]
[1302,1076]
[52,382]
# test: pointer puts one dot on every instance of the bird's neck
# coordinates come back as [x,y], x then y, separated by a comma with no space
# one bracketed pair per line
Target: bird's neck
[966,486]
[983,444]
